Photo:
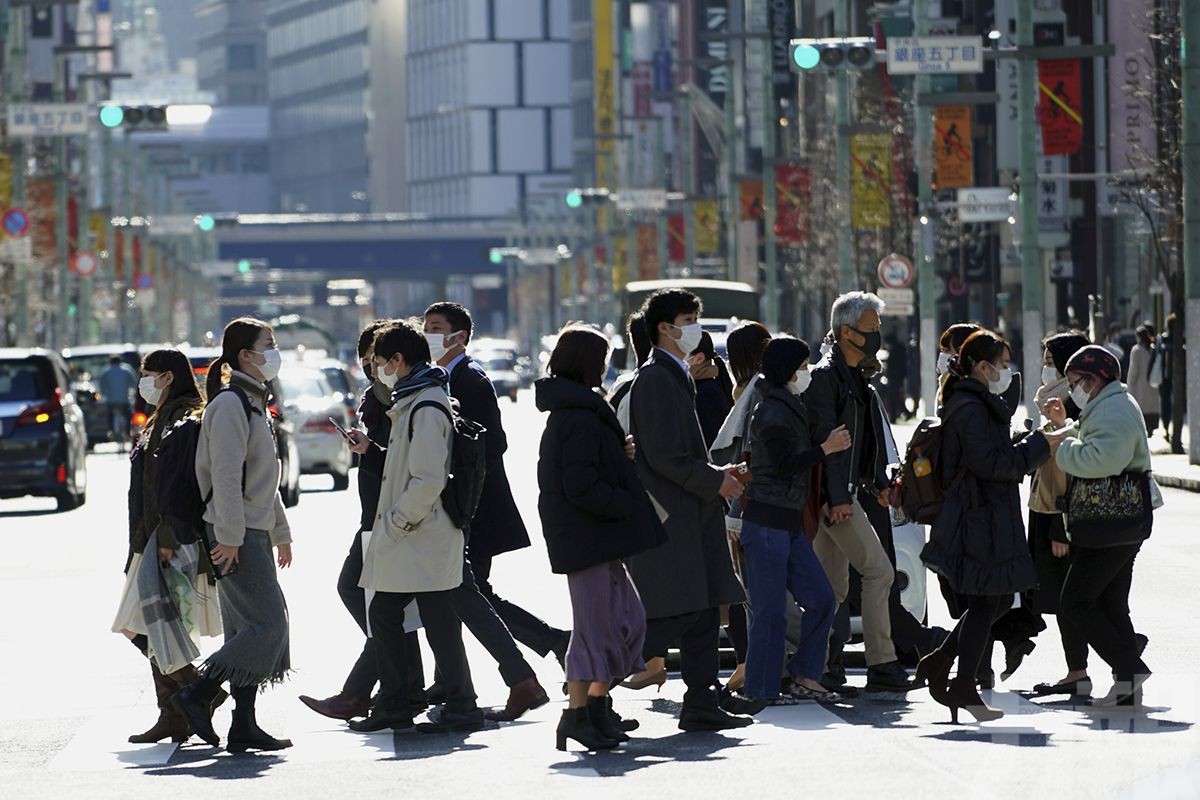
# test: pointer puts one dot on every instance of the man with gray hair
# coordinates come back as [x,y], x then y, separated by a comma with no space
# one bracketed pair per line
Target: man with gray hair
[841,395]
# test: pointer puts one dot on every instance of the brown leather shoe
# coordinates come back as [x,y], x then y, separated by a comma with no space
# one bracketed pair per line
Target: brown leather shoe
[341,706]
[525,696]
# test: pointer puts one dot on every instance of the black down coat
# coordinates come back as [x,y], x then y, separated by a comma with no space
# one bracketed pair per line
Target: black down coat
[591,502]
[978,541]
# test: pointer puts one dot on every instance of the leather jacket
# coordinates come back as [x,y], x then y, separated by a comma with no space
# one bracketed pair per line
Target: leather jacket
[782,454]
[839,397]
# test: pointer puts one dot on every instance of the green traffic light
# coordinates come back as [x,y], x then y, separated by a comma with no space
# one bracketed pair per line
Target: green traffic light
[495,256]
[205,222]
[574,198]
[806,56]
[112,116]
[243,266]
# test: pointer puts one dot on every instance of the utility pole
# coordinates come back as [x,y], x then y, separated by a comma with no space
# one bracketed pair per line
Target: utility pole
[660,174]
[686,144]
[14,91]
[923,144]
[1190,18]
[1032,277]
[770,295]
[61,187]
[847,277]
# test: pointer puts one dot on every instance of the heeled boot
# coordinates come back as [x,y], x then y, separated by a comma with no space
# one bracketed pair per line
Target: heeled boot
[577,726]
[963,694]
[244,733]
[170,722]
[933,670]
[600,713]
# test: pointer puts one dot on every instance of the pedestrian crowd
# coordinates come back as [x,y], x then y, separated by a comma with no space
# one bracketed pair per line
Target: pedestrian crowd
[693,496]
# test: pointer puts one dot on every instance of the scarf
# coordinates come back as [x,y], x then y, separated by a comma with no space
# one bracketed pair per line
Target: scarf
[733,430]
[423,376]
[1057,389]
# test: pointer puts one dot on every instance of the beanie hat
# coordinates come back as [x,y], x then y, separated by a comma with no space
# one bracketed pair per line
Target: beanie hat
[1097,362]
[1064,345]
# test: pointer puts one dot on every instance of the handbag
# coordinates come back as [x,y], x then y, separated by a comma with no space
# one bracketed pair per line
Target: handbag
[1110,511]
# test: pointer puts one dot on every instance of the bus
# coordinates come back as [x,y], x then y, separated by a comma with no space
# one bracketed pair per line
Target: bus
[722,299]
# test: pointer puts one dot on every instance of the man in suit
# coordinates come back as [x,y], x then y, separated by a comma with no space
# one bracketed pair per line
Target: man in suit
[684,582]
[497,527]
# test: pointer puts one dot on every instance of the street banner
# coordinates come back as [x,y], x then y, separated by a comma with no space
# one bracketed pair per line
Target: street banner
[1132,140]
[710,23]
[676,241]
[118,254]
[1007,86]
[708,226]
[644,171]
[747,252]
[643,88]
[792,197]
[43,216]
[1060,106]
[5,180]
[620,266]
[871,179]
[751,200]
[72,226]
[604,83]
[952,147]
[138,272]
[647,253]
[98,230]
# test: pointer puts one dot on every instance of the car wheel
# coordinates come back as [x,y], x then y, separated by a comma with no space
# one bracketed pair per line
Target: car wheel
[67,501]
[341,482]
[513,397]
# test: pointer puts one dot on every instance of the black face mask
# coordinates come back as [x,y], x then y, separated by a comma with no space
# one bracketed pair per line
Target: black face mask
[871,341]
[1071,408]
[369,370]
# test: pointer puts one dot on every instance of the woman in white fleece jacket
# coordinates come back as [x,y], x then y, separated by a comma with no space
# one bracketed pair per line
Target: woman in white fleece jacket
[238,468]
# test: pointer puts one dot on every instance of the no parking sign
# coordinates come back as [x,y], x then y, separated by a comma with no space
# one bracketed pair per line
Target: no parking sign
[15,222]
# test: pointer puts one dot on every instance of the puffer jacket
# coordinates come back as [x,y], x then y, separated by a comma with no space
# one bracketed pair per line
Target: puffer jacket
[782,454]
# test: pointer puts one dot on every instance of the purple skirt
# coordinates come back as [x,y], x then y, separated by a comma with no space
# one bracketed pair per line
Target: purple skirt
[609,624]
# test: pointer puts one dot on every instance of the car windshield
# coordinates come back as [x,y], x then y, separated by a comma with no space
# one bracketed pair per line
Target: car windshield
[337,379]
[305,383]
[88,368]
[20,382]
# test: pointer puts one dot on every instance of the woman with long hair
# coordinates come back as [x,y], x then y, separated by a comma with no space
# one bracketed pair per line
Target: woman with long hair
[714,387]
[238,467]
[978,541]
[156,558]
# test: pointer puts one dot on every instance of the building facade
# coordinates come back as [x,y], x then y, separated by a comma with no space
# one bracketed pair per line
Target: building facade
[231,47]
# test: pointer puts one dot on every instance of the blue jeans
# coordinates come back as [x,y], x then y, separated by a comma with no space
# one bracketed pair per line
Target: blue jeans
[777,563]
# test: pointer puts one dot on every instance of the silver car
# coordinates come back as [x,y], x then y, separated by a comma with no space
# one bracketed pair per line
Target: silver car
[314,406]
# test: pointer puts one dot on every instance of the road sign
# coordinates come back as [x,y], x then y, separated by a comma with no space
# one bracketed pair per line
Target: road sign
[933,55]
[15,222]
[145,281]
[16,250]
[895,272]
[898,302]
[956,286]
[987,204]
[85,263]
[642,199]
[173,225]
[47,119]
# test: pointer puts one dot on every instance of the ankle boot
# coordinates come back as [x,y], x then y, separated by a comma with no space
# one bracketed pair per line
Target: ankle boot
[170,722]
[195,702]
[934,670]
[600,715]
[963,694]
[244,733]
[621,724]
[189,674]
[576,725]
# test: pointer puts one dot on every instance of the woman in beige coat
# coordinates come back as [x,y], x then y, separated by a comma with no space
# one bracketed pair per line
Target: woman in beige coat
[1141,363]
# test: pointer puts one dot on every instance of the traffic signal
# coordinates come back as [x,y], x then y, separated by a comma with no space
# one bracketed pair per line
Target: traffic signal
[205,223]
[244,265]
[496,256]
[830,54]
[592,194]
[142,118]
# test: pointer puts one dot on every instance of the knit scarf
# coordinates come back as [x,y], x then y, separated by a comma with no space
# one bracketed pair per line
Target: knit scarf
[423,376]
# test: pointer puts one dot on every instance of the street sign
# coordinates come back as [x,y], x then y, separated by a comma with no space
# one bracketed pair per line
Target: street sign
[16,250]
[898,302]
[987,204]
[145,281]
[895,272]
[47,119]
[173,225]
[934,55]
[217,269]
[539,256]
[642,199]
[15,222]
[85,263]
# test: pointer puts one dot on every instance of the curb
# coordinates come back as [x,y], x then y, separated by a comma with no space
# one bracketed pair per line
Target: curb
[1177,482]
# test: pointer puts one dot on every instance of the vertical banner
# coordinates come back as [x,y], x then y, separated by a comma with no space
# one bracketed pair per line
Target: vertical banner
[118,254]
[952,148]
[676,242]
[72,228]
[137,256]
[871,179]
[5,180]
[1060,106]
[644,171]
[1132,140]
[604,86]
[647,253]
[43,217]
[793,190]
[747,252]
[751,201]
[708,225]
[643,88]
[620,271]
[1007,86]
[711,23]
[98,231]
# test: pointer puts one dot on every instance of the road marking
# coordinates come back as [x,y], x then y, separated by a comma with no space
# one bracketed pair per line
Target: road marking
[100,743]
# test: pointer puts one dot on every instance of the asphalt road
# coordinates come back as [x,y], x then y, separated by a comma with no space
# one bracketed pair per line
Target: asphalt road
[73,691]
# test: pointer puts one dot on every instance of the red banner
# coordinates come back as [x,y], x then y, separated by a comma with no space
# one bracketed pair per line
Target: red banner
[118,254]
[1060,106]
[792,197]
[647,253]
[676,244]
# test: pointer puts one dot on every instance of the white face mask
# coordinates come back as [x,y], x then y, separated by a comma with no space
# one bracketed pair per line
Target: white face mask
[1081,396]
[1049,375]
[437,345]
[388,379]
[148,391]
[270,368]
[943,363]
[799,383]
[1000,386]
[690,338]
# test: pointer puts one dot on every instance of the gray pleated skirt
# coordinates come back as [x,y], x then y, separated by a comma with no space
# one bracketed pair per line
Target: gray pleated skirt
[609,624]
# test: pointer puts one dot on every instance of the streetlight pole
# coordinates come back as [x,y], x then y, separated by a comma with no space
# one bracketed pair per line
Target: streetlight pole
[847,277]
[770,295]
[1032,277]
[922,143]
[1190,18]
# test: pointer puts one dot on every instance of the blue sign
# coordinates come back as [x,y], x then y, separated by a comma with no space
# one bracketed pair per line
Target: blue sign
[15,222]
[144,281]
[661,65]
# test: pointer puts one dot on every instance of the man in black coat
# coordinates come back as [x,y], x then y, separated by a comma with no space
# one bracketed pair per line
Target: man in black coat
[683,582]
[497,527]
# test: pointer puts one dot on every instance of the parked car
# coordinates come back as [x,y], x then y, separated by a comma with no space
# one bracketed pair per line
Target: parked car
[346,384]
[85,365]
[285,431]
[501,368]
[312,403]
[43,435]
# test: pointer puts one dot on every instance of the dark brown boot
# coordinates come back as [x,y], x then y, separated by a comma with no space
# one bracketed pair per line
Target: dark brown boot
[525,696]
[170,722]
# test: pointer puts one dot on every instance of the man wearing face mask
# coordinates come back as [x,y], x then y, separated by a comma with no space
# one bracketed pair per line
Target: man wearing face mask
[840,396]
[497,527]
[683,582]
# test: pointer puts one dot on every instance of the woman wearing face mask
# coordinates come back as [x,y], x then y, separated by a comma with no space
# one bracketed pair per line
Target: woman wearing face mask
[169,386]
[714,388]
[1110,439]
[951,340]
[237,462]
[779,558]
[978,541]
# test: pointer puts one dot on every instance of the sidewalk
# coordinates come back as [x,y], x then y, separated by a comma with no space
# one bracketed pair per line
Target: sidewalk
[1173,471]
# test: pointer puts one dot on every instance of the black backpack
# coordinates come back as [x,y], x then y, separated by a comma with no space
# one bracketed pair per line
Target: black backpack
[180,504]
[468,466]
[921,485]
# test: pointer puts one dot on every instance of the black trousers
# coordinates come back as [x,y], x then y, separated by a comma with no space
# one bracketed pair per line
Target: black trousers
[1095,598]
[972,636]
[696,634]
[365,672]
[391,650]
[1052,573]
[472,607]
[527,629]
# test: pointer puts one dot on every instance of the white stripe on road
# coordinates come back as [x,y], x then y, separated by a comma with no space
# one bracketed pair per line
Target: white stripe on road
[100,743]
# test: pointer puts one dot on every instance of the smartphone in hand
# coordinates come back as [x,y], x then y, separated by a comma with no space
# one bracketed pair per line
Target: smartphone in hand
[345,433]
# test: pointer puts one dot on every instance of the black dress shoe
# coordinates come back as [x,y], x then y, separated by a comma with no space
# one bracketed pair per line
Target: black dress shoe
[693,719]
[435,694]
[889,677]
[452,721]
[241,739]
[1014,655]
[738,703]
[379,722]
[1077,688]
